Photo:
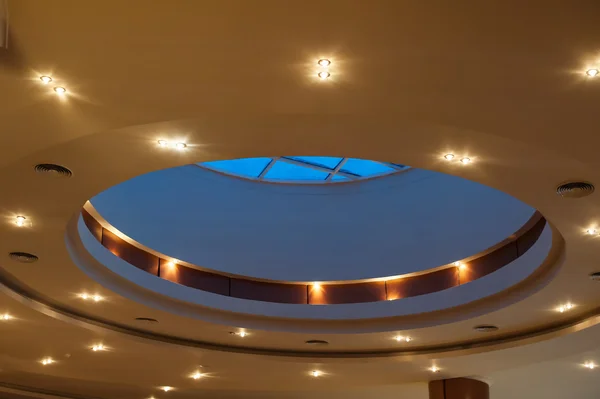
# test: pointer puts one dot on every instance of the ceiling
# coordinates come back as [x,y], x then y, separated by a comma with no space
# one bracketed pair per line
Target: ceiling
[499,82]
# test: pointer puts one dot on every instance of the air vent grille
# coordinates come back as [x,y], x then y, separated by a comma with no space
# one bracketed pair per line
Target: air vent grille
[56,170]
[23,257]
[576,189]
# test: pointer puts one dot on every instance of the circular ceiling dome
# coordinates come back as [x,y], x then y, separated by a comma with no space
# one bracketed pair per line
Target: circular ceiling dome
[304,169]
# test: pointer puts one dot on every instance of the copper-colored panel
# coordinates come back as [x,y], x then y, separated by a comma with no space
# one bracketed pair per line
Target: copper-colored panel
[436,389]
[529,238]
[422,284]
[346,293]
[269,292]
[489,263]
[463,388]
[130,254]
[92,224]
[194,278]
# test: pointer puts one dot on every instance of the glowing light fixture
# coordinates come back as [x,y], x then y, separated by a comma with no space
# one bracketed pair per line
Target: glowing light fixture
[591,231]
[434,369]
[401,338]
[20,221]
[449,157]
[316,286]
[5,316]
[45,79]
[197,375]
[465,160]
[315,373]
[593,72]
[565,308]
[88,297]
[242,334]
[323,75]
[180,146]
[163,143]
[324,62]
[46,361]
[60,90]
[98,347]
[167,388]
[590,365]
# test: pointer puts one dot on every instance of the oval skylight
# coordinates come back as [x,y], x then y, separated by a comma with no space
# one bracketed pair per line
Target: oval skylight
[304,169]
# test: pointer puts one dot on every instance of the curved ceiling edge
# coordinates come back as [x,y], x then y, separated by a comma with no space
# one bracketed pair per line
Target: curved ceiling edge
[386,288]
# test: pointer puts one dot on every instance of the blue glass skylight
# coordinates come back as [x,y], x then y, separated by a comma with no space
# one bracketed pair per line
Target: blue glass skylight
[304,169]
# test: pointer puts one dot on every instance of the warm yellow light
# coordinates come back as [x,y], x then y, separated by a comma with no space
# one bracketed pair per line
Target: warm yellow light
[84,296]
[323,75]
[98,347]
[97,298]
[5,316]
[590,365]
[324,62]
[167,389]
[591,231]
[434,369]
[60,90]
[242,333]
[449,157]
[20,221]
[180,146]
[197,375]
[315,373]
[45,79]
[316,286]
[592,72]
[47,361]
[163,143]
[401,338]
[465,160]
[565,308]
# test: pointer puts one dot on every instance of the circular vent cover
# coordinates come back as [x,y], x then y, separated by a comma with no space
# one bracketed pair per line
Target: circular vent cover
[576,189]
[595,276]
[23,257]
[486,328]
[56,170]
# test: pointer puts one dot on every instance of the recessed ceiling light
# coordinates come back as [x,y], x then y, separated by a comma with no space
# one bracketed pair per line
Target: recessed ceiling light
[590,365]
[167,388]
[240,333]
[97,298]
[45,79]
[565,308]
[434,369]
[46,361]
[592,72]
[60,90]
[323,75]
[449,157]
[180,146]
[591,231]
[88,297]
[5,316]
[465,160]
[20,221]
[402,338]
[163,143]
[98,347]
[197,375]
[315,373]
[324,62]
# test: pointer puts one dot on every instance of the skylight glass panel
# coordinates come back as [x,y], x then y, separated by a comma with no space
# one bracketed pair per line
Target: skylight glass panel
[328,162]
[363,167]
[282,170]
[339,178]
[246,167]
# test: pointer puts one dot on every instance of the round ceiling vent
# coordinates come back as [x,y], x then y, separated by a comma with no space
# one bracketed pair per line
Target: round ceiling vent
[56,170]
[23,257]
[146,320]
[485,328]
[575,189]
[595,276]
[316,342]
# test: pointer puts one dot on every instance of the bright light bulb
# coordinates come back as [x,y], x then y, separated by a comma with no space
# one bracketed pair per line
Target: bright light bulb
[590,365]
[45,79]
[324,62]
[449,157]
[98,347]
[242,334]
[323,75]
[180,146]
[163,143]
[465,160]
[197,375]
[47,361]
[565,307]
[84,296]
[97,298]
[592,72]
[5,316]
[167,389]
[434,369]
[60,90]
[407,339]
[20,221]
[591,231]
[315,373]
